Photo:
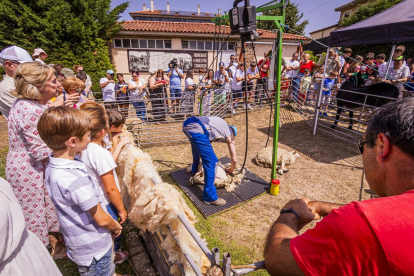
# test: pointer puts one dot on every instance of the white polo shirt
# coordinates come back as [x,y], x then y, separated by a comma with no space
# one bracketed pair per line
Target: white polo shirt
[108,92]
[73,193]
[6,98]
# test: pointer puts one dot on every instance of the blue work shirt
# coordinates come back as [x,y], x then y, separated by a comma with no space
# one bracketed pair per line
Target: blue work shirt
[175,79]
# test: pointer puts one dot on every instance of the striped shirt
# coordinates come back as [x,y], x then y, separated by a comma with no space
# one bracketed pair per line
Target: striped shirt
[74,193]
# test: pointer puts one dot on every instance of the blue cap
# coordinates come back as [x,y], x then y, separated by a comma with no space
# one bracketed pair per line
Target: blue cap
[234,130]
[111,72]
[221,64]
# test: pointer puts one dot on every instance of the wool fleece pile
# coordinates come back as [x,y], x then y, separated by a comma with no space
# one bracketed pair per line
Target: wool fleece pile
[154,207]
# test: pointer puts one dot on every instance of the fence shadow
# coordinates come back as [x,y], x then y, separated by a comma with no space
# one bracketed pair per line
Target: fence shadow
[323,147]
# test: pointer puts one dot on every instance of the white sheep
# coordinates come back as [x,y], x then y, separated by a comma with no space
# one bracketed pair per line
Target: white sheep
[284,157]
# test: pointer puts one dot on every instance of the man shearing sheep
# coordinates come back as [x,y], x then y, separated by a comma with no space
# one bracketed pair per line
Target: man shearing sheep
[202,131]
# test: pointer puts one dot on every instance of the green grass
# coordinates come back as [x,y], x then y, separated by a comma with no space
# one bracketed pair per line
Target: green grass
[3,156]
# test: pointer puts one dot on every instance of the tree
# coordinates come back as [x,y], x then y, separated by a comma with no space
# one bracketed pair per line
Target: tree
[368,10]
[292,18]
[70,31]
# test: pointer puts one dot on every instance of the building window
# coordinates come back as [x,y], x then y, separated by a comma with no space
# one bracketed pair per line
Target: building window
[126,43]
[347,14]
[134,43]
[160,44]
[142,43]
[118,43]
[200,45]
[208,45]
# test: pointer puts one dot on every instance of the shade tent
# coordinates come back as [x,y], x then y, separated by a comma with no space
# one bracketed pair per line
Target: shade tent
[395,25]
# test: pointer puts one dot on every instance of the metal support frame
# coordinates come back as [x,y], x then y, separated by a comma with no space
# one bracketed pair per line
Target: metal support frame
[279,21]
[319,98]
[390,59]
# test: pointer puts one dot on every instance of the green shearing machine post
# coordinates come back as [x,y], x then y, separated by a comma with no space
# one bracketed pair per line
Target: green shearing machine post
[279,21]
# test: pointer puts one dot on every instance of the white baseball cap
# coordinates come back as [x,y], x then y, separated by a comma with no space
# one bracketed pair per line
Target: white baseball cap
[16,53]
[38,51]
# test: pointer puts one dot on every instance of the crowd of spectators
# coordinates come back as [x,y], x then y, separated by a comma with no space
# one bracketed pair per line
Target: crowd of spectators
[341,66]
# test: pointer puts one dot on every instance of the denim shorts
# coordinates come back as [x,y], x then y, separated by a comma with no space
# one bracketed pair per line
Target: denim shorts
[237,94]
[175,93]
[104,267]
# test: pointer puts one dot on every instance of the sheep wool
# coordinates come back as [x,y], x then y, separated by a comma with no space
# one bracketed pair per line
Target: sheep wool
[222,180]
[154,207]
[284,157]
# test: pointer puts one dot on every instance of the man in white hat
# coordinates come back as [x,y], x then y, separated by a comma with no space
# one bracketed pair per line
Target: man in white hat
[39,55]
[10,58]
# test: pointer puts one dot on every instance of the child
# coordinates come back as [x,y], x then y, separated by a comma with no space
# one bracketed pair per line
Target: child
[328,84]
[86,227]
[116,121]
[101,166]
[304,85]
[317,83]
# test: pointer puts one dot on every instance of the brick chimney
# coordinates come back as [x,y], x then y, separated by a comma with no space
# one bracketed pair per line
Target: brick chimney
[144,7]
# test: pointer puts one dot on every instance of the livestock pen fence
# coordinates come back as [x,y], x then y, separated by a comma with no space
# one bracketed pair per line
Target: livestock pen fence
[157,117]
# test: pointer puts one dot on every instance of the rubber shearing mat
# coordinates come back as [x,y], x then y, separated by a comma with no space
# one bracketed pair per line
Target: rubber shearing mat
[251,186]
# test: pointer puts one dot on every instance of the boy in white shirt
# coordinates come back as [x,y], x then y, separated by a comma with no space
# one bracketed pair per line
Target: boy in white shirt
[86,227]
[252,74]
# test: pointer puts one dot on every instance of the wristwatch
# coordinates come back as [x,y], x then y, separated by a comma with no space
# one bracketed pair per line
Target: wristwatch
[289,210]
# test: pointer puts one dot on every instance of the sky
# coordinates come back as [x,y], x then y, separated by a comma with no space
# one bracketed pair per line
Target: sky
[320,13]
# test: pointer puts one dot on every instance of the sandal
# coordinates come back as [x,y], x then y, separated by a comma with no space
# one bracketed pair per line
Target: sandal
[60,257]
[120,257]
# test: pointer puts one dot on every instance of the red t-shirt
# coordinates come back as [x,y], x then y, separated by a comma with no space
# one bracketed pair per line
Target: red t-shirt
[263,71]
[372,237]
[308,65]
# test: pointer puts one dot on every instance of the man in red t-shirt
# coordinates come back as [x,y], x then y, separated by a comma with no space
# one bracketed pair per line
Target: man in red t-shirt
[263,66]
[371,237]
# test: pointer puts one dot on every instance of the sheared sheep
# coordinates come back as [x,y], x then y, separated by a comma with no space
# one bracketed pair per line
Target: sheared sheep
[284,157]
[222,180]
[154,207]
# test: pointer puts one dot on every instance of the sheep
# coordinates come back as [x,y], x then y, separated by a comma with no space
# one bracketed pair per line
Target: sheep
[134,126]
[154,207]
[284,157]
[222,180]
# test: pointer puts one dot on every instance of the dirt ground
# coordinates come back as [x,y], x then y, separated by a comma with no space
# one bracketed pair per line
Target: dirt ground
[329,169]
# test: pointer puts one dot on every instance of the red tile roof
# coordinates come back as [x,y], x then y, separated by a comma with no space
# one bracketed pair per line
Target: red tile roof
[190,27]
[174,13]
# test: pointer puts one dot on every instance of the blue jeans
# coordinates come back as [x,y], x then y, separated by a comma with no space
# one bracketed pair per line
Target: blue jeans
[113,212]
[175,93]
[201,148]
[103,267]
[140,109]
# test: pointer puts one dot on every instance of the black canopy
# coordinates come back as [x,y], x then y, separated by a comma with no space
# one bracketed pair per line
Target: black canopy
[390,26]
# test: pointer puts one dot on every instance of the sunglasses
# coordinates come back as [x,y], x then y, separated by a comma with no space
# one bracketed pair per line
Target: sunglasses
[81,70]
[361,143]
[134,76]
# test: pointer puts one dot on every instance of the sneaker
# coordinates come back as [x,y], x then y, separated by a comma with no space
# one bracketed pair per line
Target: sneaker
[233,111]
[325,114]
[320,113]
[249,107]
[244,107]
[218,202]
[235,105]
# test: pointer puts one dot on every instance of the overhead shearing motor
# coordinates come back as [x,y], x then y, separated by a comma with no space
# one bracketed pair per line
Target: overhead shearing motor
[242,18]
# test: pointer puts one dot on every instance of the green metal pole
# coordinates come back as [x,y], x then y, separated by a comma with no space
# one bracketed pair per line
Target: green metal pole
[278,74]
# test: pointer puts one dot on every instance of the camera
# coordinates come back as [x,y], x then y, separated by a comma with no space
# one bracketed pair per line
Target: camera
[173,63]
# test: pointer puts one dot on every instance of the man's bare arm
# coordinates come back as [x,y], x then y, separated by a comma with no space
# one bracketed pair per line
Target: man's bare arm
[322,208]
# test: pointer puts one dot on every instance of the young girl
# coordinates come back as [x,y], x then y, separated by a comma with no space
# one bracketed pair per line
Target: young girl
[187,104]
[101,166]
[355,66]
[121,90]
[208,80]
[73,86]
[318,80]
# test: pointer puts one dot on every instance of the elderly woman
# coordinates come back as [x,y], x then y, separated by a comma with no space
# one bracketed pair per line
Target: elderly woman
[36,84]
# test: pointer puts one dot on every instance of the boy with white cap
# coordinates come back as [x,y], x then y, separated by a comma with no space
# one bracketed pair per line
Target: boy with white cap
[10,58]
[39,55]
